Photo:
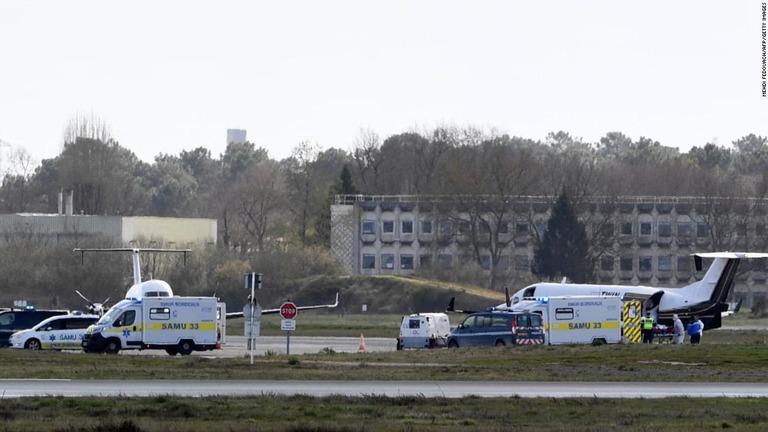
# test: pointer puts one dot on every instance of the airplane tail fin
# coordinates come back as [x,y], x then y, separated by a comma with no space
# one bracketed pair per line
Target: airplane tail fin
[451,305]
[508,299]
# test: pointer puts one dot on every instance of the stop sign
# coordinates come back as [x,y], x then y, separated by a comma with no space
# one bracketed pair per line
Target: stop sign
[288,310]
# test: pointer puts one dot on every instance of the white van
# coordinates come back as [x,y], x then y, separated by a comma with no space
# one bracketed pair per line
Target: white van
[178,325]
[424,330]
[57,332]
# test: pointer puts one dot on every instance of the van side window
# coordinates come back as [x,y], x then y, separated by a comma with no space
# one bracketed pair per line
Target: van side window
[469,322]
[564,313]
[536,320]
[483,321]
[501,321]
[160,313]
[522,321]
[6,320]
[79,323]
[55,325]
[126,319]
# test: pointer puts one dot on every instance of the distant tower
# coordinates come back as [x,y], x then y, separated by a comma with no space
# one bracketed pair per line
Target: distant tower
[236,136]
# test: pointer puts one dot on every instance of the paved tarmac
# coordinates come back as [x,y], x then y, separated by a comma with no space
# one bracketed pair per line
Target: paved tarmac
[450,389]
[236,346]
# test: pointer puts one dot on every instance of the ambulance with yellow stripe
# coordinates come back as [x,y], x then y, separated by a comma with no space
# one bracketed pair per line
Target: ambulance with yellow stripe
[178,325]
[578,319]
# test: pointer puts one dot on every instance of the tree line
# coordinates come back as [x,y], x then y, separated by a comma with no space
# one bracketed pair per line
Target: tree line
[273,207]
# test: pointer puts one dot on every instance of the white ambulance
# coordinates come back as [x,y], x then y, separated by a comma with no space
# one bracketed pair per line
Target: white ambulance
[577,320]
[178,325]
[424,330]
[58,333]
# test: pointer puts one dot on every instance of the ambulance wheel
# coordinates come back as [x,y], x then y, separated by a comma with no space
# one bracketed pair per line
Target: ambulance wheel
[172,351]
[32,344]
[186,347]
[500,343]
[112,346]
[453,344]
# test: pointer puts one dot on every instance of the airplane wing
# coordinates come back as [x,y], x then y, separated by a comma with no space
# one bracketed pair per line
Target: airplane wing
[277,310]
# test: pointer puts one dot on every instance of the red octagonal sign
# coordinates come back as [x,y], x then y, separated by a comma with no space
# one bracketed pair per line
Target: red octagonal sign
[288,310]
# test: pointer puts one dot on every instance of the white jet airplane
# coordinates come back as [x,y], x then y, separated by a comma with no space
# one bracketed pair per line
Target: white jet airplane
[161,288]
[705,298]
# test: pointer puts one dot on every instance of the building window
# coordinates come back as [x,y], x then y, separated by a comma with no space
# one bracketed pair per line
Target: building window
[369,227]
[665,263]
[521,229]
[464,227]
[388,261]
[485,228]
[645,264]
[406,262]
[521,262]
[387,227]
[407,227]
[665,229]
[446,228]
[645,228]
[485,262]
[683,264]
[626,228]
[426,227]
[625,264]
[684,229]
[369,261]
[445,260]
[504,227]
[606,263]
[702,229]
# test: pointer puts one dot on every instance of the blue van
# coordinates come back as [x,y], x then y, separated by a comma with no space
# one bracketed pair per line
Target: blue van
[498,329]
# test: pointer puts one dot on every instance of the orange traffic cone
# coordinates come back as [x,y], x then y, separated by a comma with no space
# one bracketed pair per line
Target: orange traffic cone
[362,343]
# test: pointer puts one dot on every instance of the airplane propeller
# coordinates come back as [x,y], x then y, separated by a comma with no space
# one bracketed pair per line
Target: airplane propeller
[95,308]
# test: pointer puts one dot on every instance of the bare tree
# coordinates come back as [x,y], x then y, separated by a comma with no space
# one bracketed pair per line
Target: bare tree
[261,200]
[303,187]
[87,126]
[368,160]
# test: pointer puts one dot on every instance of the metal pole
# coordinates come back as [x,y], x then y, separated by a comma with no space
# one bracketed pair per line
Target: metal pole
[288,343]
[253,312]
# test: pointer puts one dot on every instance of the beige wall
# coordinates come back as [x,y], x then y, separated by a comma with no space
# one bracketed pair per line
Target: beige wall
[177,230]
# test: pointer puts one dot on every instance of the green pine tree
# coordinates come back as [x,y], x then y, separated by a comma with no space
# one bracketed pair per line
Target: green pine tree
[564,249]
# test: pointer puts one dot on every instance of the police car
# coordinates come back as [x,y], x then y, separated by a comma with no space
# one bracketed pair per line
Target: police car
[58,332]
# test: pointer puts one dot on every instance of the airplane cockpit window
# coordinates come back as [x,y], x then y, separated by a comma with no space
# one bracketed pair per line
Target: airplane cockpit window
[530,292]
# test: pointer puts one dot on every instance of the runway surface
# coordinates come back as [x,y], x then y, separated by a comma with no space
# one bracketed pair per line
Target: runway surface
[15,388]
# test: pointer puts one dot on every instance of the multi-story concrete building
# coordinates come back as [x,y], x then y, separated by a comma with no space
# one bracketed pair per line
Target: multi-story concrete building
[236,136]
[642,240]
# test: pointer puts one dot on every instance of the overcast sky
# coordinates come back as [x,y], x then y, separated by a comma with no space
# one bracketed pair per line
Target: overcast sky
[171,76]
